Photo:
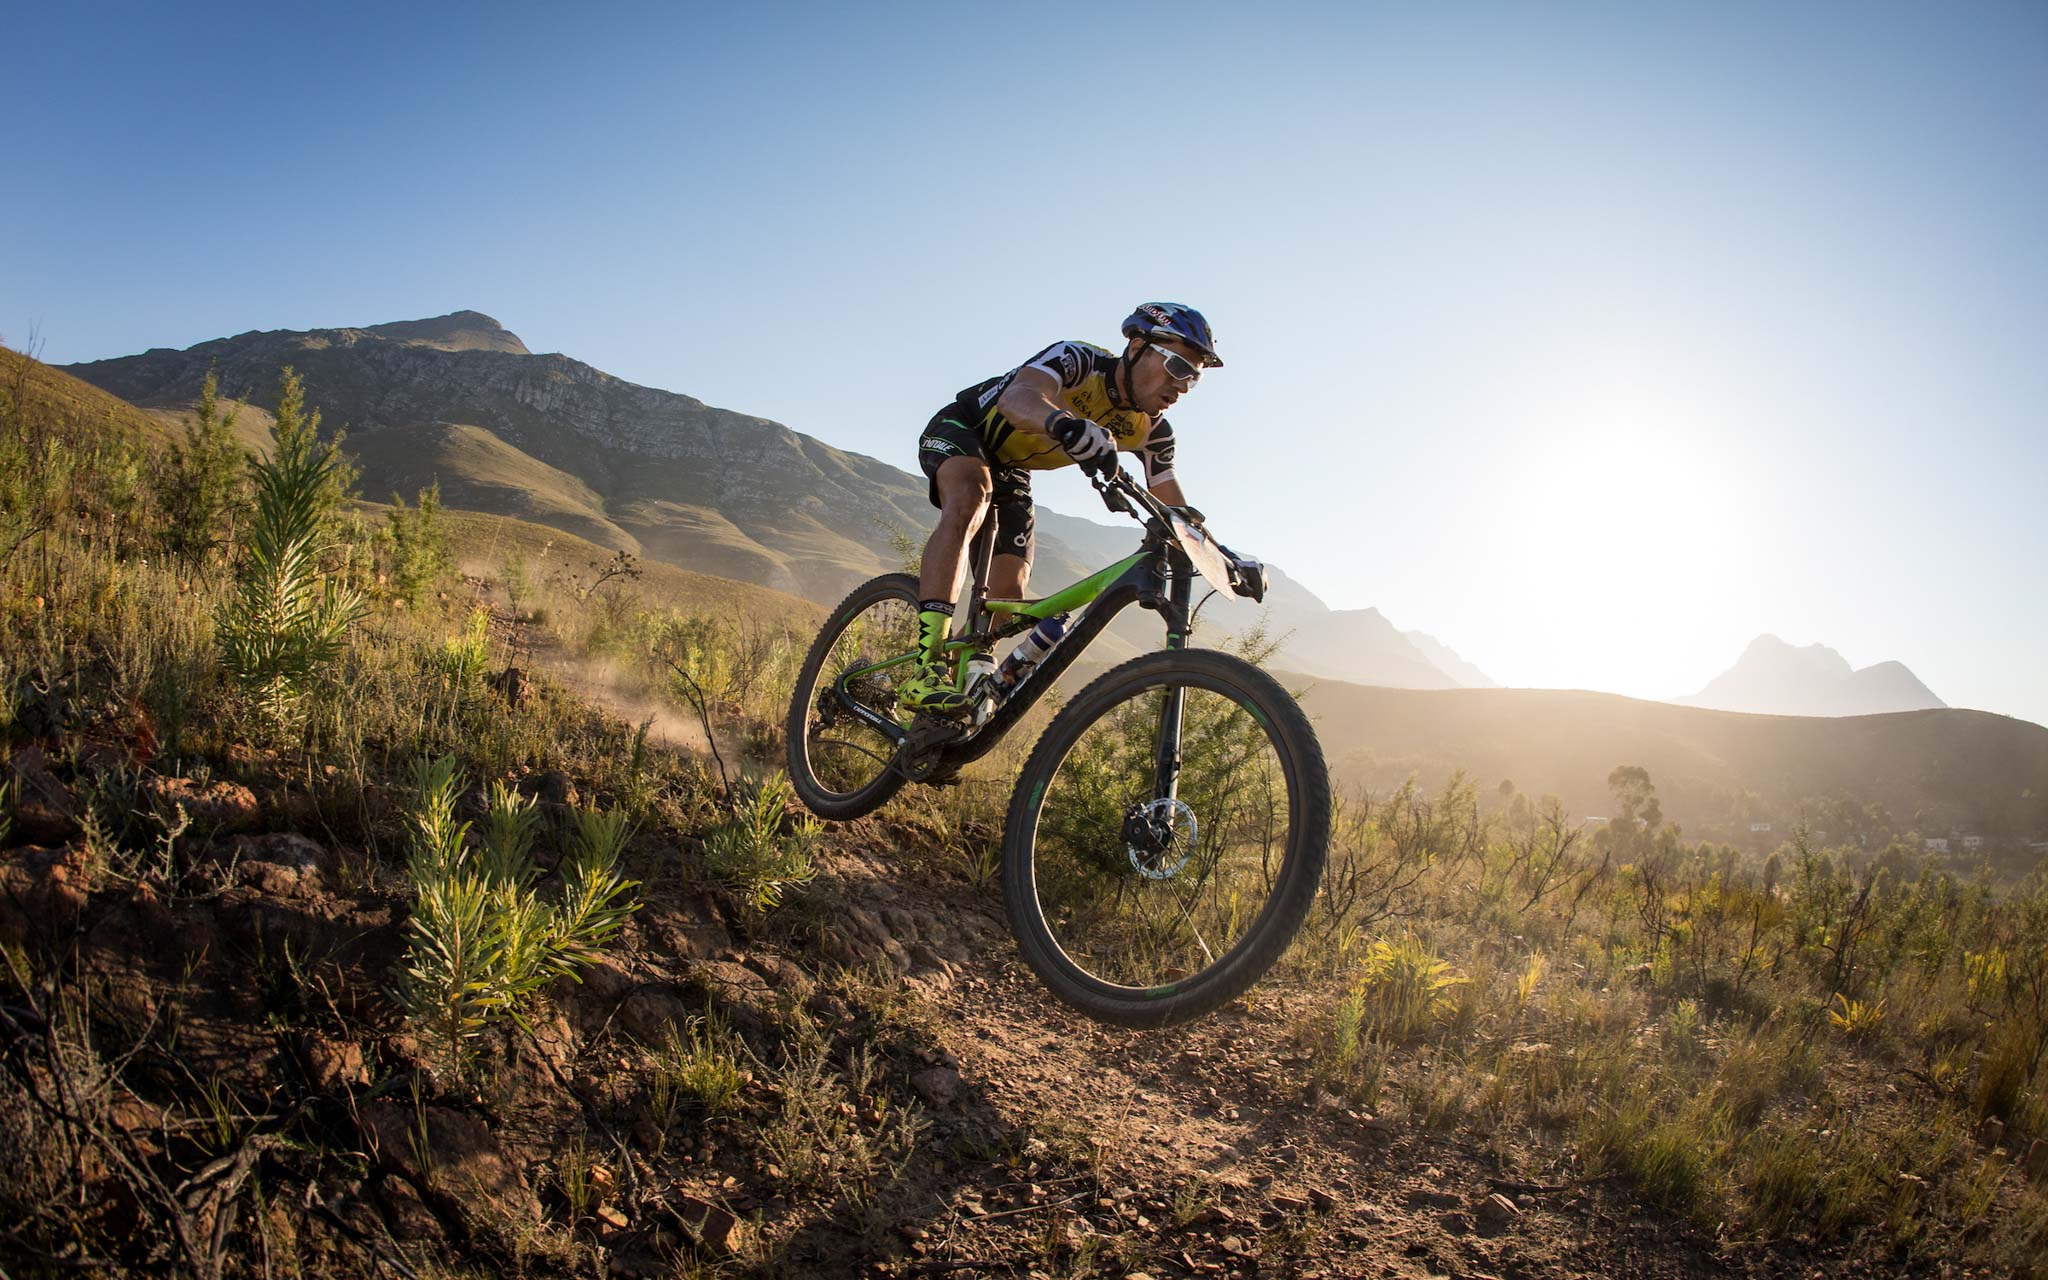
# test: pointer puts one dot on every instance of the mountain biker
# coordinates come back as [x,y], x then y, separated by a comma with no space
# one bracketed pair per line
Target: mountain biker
[1071,403]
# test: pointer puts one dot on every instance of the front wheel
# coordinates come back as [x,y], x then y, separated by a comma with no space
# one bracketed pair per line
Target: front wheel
[841,763]
[1146,889]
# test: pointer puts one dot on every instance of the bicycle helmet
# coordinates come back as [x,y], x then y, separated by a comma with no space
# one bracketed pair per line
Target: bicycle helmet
[1174,320]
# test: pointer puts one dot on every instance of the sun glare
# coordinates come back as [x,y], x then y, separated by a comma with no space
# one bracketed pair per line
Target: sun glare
[1626,552]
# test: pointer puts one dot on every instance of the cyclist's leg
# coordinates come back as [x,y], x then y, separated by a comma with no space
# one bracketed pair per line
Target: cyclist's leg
[960,490]
[1015,522]
[952,458]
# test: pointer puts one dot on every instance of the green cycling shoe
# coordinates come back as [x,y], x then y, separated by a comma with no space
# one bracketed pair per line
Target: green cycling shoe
[931,689]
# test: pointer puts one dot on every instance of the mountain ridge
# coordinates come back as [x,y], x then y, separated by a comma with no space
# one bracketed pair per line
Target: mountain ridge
[1773,677]
[664,475]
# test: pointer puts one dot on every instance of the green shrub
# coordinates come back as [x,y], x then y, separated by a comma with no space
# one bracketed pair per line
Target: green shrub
[201,485]
[1402,987]
[417,543]
[699,1062]
[753,856]
[286,621]
[483,943]
[469,654]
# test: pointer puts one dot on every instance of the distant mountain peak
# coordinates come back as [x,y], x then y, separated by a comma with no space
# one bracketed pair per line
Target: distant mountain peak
[1447,660]
[456,331]
[1773,677]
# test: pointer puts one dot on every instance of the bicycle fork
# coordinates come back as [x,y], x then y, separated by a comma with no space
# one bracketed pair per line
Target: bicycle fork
[1166,764]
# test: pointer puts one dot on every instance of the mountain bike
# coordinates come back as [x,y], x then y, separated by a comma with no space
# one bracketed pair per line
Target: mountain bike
[1168,832]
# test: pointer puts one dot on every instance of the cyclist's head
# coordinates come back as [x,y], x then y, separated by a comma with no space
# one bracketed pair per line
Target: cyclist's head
[1171,320]
[1169,346]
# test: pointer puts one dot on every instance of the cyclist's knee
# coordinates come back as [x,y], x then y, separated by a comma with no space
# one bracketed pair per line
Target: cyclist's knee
[964,494]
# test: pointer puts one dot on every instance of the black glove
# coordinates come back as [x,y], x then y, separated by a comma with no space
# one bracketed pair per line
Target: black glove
[1247,573]
[1086,443]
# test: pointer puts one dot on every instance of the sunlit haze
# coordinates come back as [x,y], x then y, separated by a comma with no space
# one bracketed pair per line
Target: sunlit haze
[1592,340]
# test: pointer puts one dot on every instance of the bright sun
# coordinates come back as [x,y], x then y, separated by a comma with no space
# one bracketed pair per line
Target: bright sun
[1625,552]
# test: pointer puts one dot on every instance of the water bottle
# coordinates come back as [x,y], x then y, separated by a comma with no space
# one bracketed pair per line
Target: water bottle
[980,685]
[1030,651]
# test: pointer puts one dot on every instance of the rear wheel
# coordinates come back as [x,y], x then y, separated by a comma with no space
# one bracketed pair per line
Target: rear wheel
[1142,908]
[841,764]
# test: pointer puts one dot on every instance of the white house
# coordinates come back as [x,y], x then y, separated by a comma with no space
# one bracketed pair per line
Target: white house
[1935,844]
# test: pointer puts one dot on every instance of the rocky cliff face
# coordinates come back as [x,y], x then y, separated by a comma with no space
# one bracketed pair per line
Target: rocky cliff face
[701,486]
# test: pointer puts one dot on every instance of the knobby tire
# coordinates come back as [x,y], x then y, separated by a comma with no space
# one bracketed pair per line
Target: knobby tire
[1300,756]
[816,795]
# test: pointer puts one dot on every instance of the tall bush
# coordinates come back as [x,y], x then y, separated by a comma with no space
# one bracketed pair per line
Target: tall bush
[201,484]
[286,620]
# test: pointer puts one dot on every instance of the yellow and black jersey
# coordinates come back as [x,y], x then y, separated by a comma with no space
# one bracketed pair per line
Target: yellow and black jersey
[1084,373]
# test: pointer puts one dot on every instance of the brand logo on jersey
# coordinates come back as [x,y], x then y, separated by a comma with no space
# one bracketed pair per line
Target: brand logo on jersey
[938,444]
[1070,366]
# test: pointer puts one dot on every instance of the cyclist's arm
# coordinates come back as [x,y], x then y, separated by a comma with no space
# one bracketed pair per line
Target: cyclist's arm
[1157,451]
[1031,401]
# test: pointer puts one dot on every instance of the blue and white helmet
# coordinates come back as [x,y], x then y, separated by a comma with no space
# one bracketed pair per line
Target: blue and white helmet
[1174,320]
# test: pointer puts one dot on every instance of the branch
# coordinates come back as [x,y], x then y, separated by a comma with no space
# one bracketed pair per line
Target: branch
[695,693]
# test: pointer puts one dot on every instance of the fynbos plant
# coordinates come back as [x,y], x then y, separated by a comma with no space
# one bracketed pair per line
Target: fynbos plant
[483,942]
[285,621]
[752,855]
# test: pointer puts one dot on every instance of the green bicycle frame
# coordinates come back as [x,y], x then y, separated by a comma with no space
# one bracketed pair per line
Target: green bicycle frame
[1158,576]
[1017,613]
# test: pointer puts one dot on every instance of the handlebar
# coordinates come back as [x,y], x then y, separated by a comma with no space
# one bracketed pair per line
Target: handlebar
[1244,577]
[1117,490]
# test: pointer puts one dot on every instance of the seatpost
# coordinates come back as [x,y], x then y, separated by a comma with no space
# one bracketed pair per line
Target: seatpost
[981,556]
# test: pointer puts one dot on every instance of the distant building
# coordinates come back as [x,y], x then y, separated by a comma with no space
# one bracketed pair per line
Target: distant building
[1759,828]
[1935,844]
[1973,842]
[2038,846]
[1593,822]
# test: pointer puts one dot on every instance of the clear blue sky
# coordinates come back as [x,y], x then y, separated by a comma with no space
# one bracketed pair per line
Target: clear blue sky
[1593,339]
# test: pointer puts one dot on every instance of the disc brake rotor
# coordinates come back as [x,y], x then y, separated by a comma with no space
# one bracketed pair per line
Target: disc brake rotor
[1159,836]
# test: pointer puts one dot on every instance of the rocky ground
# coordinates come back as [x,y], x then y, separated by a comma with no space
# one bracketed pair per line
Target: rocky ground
[913,1104]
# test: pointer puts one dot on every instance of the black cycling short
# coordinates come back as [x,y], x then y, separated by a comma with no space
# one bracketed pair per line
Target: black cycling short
[947,437]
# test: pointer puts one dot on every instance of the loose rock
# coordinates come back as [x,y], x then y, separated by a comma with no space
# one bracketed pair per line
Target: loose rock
[708,1224]
[214,808]
[1495,1213]
[464,1161]
[938,1086]
[40,889]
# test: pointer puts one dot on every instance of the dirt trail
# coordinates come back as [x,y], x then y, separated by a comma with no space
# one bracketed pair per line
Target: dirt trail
[1200,1150]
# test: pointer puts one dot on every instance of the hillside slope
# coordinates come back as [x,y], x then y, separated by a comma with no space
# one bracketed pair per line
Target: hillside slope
[47,394]
[1716,771]
[459,398]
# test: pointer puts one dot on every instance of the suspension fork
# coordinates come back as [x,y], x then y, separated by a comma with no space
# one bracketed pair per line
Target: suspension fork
[1166,765]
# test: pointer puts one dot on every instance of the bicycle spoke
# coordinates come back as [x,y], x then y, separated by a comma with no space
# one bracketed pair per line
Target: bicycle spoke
[1175,910]
[834,752]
